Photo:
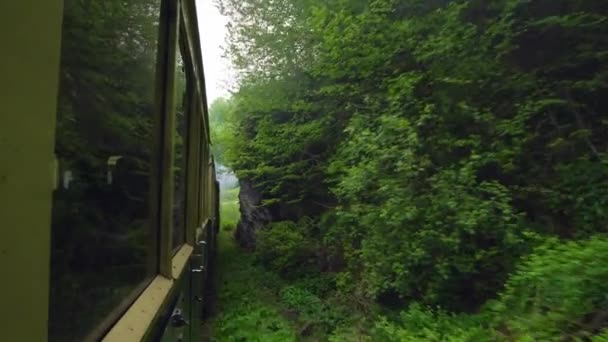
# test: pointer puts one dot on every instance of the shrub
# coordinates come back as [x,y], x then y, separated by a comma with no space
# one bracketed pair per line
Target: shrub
[319,284]
[559,292]
[603,337]
[254,321]
[283,247]
[301,300]
[310,308]
[420,324]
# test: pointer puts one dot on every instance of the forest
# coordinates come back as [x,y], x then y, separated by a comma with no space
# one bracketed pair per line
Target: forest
[428,170]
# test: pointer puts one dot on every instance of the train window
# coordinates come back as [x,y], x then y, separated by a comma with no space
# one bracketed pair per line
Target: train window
[201,168]
[180,153]
[203,177]
[103,244]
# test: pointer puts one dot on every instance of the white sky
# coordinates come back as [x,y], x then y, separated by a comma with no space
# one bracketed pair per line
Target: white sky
[212,28]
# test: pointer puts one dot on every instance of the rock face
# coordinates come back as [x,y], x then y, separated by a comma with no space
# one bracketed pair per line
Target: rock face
[253,216]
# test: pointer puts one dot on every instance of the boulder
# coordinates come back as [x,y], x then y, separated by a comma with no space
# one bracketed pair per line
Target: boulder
[253,215]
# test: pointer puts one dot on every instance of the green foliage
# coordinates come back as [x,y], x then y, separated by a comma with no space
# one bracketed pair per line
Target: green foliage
[228,227]
[437,155]
[440,141]
[419,324]
[282,246]
[559,292]
[254,322]
[310,308]
[246,299]
[221,123]
[442,236]
[317,283]
[601,337]
[229,208]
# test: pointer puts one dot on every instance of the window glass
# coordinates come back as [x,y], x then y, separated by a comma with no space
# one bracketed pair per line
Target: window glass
[204,189]
[103,251]
[179,160]
[201,172]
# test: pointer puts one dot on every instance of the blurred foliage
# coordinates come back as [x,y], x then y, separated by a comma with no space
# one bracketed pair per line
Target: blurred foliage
[420,324]
[558,292]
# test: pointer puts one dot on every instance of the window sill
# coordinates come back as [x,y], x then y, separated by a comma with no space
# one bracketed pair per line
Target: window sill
[180,260]
[137,322]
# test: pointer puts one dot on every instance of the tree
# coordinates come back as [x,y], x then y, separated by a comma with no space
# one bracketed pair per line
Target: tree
[437,141]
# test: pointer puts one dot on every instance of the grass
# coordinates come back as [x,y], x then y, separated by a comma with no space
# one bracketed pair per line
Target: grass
[229,207]
[246,305]
[253,303]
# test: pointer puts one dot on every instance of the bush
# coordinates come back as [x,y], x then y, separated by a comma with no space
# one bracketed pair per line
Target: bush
[309,307]
[420,324]
[559,292]
[319,284]
[603,337]
[254,321]
[282,247]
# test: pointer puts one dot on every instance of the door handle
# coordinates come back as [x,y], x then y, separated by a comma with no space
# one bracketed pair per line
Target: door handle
[177,319]
[199,269]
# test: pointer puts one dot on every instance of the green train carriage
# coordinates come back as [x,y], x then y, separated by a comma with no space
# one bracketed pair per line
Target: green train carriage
[109,202]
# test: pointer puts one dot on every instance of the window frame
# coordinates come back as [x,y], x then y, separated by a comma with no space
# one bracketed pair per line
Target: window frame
[193,181]
[168,11]
[167,68]
[189,96]
[178,19]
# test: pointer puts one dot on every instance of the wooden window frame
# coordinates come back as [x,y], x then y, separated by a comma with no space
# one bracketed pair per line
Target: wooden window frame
[137,321]
[170,25]
[141,319]
[177,18]
[189,94]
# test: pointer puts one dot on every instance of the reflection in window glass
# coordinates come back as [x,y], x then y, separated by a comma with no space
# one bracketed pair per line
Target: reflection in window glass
[101,235]
[179,161]
[201,175]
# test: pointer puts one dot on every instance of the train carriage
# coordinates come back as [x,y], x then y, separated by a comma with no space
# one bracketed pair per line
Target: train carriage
[107,183]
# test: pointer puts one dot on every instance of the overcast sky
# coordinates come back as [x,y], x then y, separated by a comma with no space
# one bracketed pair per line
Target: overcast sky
[212,27]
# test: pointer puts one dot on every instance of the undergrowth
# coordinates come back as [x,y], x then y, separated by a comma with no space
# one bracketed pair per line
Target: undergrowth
[246,300]
[256,304]
[557,293]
